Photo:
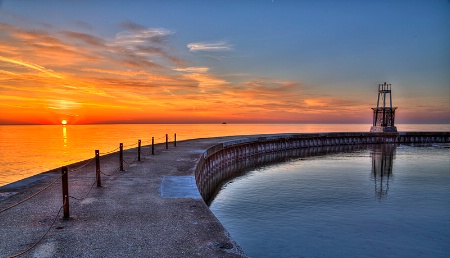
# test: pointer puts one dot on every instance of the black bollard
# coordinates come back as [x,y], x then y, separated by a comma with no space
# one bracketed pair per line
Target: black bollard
[65,190]
[121,156]
[167,141]
[139,150]
[153,145]
[97,168]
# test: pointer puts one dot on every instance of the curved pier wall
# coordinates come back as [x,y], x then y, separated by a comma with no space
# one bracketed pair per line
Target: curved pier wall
[227,160]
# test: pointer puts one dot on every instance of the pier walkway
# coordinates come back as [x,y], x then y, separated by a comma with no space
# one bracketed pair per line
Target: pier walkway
[144,211]
[153,208]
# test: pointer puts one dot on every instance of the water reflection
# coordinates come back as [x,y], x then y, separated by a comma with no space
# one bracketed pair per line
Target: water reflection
[219,176]
[64,133]
[382,156]
[331,206]
[382,162]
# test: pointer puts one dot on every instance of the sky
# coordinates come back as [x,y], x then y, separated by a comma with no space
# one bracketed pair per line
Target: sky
[231,61]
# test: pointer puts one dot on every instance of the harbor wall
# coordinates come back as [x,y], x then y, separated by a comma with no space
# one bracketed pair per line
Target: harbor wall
[229,159]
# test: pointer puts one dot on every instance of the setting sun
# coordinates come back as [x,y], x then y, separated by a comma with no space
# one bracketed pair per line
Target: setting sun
[64,122]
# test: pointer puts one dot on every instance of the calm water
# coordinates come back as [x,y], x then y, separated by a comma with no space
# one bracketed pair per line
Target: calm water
[29,150]
[374,202]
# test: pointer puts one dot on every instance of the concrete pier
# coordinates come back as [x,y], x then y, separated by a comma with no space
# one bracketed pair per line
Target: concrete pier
[139,212]
[221,161]
[155,207]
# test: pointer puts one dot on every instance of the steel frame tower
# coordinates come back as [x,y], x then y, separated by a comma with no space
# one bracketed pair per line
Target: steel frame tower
[383,117]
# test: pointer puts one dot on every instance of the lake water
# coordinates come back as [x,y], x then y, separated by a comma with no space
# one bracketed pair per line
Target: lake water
[336,205]
[29,150]
[374,201]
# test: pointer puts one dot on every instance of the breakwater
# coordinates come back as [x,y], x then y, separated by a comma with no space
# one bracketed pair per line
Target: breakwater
[226,160]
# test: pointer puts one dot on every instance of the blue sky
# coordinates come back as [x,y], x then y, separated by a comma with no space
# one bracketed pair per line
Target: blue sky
[331,54]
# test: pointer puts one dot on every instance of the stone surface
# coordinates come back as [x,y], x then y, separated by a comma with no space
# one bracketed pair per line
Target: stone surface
[129,216]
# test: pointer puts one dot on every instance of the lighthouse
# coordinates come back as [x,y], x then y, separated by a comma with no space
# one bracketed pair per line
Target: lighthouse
[383,114]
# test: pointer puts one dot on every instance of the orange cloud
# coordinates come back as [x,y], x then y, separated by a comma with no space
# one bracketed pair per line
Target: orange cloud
[133,76]
[31,66]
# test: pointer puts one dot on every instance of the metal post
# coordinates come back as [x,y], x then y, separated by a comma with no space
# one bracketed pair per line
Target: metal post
[121,157]
[175,140]
[384,106]
[153,145]
[378,104]
[65,190]
[97,168]
[167,141]
[139,150]
[390,98]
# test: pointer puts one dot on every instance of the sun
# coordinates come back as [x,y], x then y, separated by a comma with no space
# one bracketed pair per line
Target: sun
[64,122]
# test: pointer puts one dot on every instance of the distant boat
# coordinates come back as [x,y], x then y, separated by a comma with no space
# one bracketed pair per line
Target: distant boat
[224,123]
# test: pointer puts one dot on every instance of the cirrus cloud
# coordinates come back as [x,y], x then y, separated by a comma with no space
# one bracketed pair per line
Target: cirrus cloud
[213,46]
[192,69]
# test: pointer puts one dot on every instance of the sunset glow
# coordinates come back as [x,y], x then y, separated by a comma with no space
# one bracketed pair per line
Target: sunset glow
[284,63]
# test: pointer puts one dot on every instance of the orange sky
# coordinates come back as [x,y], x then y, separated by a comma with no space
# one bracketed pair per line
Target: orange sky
[139,73]
[85,79]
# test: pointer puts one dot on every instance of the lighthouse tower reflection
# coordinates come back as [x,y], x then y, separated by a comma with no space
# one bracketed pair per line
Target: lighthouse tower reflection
[382,162]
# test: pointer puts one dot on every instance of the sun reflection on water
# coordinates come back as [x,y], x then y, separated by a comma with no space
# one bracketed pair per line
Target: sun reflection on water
[64,132]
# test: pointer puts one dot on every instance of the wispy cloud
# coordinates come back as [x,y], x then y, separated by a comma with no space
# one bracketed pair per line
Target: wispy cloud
[192,69]
[85,38]
[61,104]
[31,66]
[149,35]
[213,46]
[135,74]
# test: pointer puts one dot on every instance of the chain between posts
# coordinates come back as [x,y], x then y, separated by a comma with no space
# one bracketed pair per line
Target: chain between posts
[131,162]
[31,196]
[65,187]
[84,197]
[103,173]
[130,145]
[109,152]
[65,171]
[64,174]
[40,239]
[82,166]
